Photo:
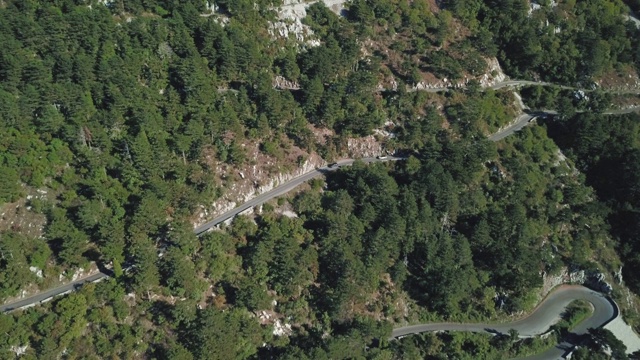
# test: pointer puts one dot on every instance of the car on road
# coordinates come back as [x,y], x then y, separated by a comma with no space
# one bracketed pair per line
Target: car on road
[384,157]
[333,165]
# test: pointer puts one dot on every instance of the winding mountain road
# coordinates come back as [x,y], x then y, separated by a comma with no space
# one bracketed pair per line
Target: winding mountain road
[539,321]
[524,119]
[259,200]
[546,314]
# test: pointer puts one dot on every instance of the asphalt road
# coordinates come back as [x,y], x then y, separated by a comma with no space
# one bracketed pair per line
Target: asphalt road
[283,189]
[35,299]
[500,85]
[261,199]
[520,122]
[538,322]
[514,83]
[622,111]
[524,119]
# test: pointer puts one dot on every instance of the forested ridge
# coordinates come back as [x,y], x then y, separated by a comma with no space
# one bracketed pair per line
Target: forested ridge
[117,109]
[606,149]
[565,41]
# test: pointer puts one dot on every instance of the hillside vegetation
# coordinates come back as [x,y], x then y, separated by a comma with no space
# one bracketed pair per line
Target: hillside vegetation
[120,109]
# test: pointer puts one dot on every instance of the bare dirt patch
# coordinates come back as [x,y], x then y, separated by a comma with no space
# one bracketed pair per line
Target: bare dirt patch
[625,101]
[625,78]
[393,52]
[20,217]
[367,146]
[321,135]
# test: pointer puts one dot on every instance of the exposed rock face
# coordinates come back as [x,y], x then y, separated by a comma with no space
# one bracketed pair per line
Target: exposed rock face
[36,271]
[290,15]
[283,178]
[253,181]
[501,300]
[494,75]
[618,276]
[366,146]
[597,280]
[19,350]
[286,28]
[280,82]
[551,281]
[577,277]
[590,278]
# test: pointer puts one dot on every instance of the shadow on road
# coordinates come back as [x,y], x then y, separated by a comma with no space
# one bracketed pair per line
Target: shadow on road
[493,331]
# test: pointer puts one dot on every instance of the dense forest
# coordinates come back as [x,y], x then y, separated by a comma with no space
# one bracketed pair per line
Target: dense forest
[564,41]
[118,108]
[435,219]
[607,149]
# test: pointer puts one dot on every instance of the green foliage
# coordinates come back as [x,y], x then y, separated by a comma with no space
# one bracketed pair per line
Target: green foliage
[67,240]
[223,335]
[293,263]
[602,342]
[464,345]
[9,185]
[554,43]
[484,108]
[218,256]
[14,262]
[607,150]
[180,275]
[117,115]
[127,121]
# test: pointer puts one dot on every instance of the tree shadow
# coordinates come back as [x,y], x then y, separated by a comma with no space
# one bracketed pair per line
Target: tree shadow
[92,254]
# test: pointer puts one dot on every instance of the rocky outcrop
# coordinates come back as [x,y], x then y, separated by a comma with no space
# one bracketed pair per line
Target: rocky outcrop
[494,75]
[289,23]
[597,281]
[252,180]
[593,279]
[280,82]
[366,146]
